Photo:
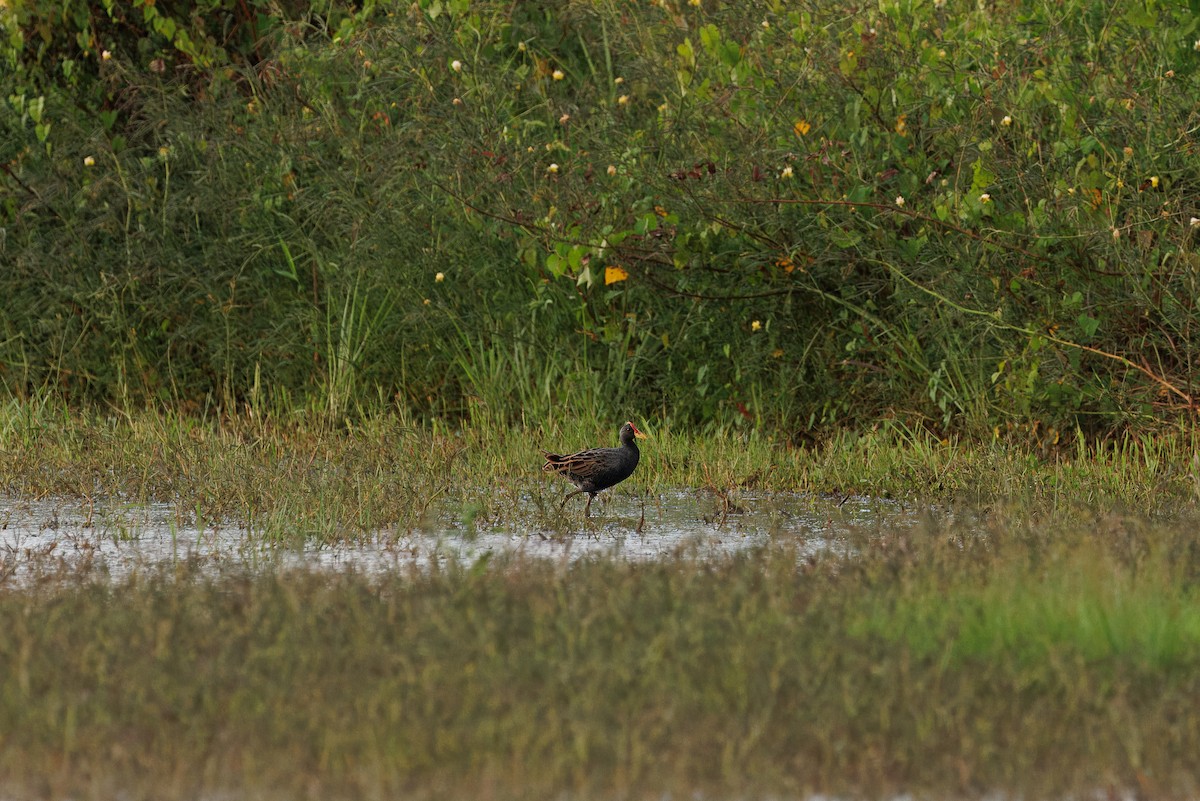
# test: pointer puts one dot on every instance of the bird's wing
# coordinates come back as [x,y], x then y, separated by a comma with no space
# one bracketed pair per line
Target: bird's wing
[583,465]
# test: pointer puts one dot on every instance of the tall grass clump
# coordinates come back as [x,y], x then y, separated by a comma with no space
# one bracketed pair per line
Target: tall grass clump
[967,219]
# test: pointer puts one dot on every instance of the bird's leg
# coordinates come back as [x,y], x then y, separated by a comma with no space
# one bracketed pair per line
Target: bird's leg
[587,510]
[570,495]
[642,523]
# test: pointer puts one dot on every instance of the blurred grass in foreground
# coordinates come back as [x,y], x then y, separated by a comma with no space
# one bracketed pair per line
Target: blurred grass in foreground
[1004,654]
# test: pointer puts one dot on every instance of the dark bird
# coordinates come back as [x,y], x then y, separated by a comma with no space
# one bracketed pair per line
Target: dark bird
[597,469]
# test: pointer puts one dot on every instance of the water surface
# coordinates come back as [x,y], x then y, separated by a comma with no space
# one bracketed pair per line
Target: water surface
[117,538]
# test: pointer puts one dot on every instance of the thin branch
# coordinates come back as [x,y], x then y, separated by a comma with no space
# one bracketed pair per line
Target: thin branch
[894,210]
[29,190]
[1066,343]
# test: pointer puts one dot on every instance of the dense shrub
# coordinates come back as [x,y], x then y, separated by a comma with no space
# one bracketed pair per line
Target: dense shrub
[961,216]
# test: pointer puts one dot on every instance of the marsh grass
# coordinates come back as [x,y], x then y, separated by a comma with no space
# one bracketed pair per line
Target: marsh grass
[296,478]
[1034,632]
[999,654]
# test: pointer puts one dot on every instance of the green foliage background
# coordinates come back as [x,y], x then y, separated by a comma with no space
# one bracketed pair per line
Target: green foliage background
[968,217]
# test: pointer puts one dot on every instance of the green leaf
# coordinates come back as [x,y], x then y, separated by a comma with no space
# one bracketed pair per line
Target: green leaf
[575,257]
[981,176]
[730,53]
[911,247]
[166,26]
[844,238]
[646,223]
[687,54]
[1087,324]
[1140,16]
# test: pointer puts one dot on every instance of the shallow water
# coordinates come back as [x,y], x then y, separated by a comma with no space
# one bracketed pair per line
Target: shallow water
[57,534]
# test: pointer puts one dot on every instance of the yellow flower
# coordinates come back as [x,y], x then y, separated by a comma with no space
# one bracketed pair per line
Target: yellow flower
[1006,121]
[801,127]
[985,198]
[786,172]
[612,170]
[456,65]
[899,200]
[558,75]
[89,161]
[553,168]
[622,100]
[427,301]
[1154,181]
[564,119]
[440,277]
[456,101]
[618,80]
[756,325]
[105,55]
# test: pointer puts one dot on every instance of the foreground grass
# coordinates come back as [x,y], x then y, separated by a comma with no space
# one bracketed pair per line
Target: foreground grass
[1040,660]
[298,479]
